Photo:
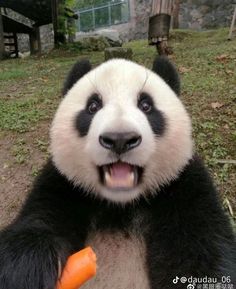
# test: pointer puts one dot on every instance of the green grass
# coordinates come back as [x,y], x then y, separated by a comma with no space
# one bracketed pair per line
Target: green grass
[20,115]
[31,88]
[11,74]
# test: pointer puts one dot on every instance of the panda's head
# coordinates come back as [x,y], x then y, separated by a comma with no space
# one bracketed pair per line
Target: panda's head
[121,131]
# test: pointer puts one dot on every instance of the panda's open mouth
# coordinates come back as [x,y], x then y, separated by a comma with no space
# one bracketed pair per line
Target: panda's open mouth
[120,175]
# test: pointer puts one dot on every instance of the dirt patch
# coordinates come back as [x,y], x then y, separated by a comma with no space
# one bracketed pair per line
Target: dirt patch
[21,157]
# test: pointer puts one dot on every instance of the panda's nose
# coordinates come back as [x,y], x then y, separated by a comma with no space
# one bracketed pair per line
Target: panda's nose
[120,142]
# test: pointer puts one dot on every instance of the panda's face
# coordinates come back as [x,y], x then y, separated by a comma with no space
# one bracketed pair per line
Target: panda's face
[121,132]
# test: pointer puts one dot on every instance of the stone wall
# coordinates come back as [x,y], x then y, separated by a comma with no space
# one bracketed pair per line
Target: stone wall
[47,37]
[47,40]
[23,42]
[205,14]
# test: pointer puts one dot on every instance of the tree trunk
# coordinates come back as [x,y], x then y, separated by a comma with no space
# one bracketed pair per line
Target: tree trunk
[59,35]
[2,47]
[176,14]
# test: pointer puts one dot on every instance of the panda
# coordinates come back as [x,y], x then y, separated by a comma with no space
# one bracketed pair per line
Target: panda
[123,178]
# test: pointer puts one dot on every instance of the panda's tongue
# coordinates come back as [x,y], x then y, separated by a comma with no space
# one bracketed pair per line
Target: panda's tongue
[120,175]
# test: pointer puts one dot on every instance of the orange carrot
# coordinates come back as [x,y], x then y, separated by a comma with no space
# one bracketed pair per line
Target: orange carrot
[80,267]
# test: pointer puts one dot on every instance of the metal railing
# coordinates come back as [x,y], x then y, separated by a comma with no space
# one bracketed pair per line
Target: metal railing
[103,15]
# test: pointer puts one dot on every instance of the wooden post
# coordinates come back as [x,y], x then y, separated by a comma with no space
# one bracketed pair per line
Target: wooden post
[57,10]
[232,24]
[16,44]
[35,42]
[2,47]
[38,40]
[159,25]
[54,4]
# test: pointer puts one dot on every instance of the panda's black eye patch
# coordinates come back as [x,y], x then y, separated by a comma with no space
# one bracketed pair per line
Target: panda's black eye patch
[84,118]
[154,116]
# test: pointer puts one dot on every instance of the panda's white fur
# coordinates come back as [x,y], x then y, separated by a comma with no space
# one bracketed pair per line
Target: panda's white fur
[119,83]
[121,261]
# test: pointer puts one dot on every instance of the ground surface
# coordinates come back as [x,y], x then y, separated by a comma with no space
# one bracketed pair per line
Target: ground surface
[30,92]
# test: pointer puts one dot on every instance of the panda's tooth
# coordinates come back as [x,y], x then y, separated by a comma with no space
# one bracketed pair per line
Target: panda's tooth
[131,179]
[127,182]
[107,178]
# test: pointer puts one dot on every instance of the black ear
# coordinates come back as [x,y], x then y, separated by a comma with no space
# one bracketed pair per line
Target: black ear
[166,70]
[79,69]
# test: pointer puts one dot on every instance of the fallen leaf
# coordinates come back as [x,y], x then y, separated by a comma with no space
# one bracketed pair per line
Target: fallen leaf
[229,72]
[226,126]
[183,69]
[216,105]
[222,57]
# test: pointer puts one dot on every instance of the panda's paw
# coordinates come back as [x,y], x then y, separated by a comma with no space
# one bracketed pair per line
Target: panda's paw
[30,258]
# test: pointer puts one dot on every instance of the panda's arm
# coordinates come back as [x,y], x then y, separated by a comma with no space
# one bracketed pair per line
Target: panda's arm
[34,248]
[191,235]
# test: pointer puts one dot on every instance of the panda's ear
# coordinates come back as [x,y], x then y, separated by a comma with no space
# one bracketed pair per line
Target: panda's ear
[167,71]
[79,69]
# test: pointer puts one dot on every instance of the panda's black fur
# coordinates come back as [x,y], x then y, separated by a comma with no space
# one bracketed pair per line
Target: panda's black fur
[184,227]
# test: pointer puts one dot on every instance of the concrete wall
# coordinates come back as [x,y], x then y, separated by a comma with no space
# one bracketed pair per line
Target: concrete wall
[138,26]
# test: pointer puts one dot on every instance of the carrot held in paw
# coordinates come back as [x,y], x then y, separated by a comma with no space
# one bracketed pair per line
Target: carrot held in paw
[80,267]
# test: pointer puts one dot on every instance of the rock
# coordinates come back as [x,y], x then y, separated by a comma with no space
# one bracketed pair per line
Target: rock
[109,36]
[112,36]
[93,43]
[118,52]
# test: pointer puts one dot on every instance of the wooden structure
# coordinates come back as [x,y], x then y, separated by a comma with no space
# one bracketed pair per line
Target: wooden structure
[37,10]
[9,27]
[10,41]
[40,12]
[159,24]
[232,23]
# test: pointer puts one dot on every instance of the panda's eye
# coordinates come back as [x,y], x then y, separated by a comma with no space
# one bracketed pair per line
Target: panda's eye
[94,103]
[145,102]
[94,106]
[145,105]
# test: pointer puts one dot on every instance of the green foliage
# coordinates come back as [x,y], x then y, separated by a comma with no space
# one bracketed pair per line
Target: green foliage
[74,47]
[91,3]
[96,43]
[65,25]
[70,4]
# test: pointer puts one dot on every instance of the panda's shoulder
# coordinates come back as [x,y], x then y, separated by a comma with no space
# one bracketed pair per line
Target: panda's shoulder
[52,186]
[192,187]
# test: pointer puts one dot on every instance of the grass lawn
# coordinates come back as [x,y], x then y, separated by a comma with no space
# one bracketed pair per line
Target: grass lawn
[30,92]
